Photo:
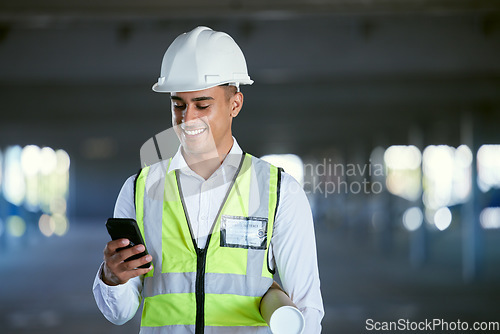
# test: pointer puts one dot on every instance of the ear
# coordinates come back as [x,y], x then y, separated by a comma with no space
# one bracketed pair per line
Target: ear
[236,104]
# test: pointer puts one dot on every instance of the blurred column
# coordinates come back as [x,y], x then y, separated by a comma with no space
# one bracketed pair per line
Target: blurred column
[385,225]
[358,210]
[419,240]
[382,208]
[472,252]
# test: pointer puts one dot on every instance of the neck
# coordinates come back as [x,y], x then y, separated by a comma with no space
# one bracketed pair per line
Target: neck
[207,163]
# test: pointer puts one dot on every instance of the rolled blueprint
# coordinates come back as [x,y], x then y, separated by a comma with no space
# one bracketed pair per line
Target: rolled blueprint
[280,313]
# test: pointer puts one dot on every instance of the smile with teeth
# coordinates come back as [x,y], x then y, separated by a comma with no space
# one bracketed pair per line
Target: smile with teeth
[194,132]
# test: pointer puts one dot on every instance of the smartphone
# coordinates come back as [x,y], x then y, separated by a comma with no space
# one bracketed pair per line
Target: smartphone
[127,228]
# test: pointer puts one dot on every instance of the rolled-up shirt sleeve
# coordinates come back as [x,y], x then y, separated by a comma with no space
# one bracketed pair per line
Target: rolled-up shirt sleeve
[294,250]
[119,303]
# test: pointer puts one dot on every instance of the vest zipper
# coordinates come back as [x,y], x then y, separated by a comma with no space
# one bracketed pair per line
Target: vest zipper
[201,253]
[200,289]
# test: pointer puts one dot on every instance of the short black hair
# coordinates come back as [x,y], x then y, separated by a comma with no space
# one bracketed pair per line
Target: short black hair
[230,90]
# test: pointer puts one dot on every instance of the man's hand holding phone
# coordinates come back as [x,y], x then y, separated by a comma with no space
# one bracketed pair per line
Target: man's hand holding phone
[118,271]
[125,256]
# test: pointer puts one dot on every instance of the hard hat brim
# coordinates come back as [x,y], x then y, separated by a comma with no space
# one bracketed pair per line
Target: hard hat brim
[188,88]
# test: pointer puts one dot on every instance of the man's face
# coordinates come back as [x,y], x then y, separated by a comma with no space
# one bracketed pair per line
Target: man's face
[202,119]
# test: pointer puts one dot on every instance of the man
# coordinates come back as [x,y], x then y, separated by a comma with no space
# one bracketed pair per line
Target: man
[216,221]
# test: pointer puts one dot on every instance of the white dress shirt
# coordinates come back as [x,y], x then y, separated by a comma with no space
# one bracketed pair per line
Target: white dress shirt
[292,248]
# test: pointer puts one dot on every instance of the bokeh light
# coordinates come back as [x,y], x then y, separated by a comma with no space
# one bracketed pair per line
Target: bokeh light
[291,163]
[490,218]
[62,162]
[413,218]
[58,205]
[31,160]
[402,157]
[48,160]
[38,179]
[442,218]
[488,167]
[446,175]
[403,171]
[31,164]
[46,225]
[16,226]
[14,186]
[60,224]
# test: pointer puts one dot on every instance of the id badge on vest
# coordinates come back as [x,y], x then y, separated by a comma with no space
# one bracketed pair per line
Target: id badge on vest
[243,232]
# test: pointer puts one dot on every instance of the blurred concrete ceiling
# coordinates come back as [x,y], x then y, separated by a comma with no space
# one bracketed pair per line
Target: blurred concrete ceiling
[18,9]
[328,73]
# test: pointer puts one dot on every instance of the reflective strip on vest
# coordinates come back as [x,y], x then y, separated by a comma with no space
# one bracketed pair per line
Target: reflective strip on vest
[183,329]
[219,287]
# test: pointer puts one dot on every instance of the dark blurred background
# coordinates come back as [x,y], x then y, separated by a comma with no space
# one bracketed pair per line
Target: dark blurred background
[390,107]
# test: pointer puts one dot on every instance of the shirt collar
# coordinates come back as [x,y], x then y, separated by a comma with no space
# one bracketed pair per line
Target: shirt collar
[232,159]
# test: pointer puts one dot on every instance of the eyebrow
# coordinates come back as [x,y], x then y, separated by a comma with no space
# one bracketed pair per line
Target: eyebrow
[196,99]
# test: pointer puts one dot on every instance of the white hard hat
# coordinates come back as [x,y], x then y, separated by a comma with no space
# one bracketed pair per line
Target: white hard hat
[201,59]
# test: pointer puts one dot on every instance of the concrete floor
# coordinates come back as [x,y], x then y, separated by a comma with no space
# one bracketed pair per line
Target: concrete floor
[46,283]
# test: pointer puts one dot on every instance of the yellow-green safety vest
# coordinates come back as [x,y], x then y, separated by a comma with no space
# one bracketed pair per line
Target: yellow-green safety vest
[216,289]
